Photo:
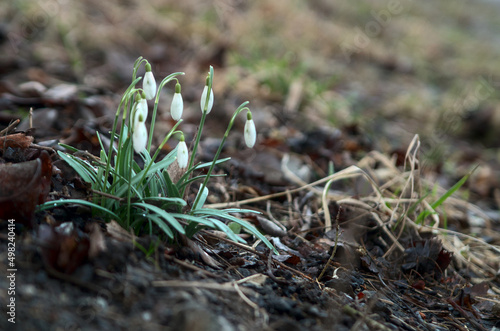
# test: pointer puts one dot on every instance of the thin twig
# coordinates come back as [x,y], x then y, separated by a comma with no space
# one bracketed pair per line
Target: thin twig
[371,323]
[270,271]
[107,195]
[345,172]
[253,251]
[190,266]
[476,324]
[9,128]
[330,259]
[43,148]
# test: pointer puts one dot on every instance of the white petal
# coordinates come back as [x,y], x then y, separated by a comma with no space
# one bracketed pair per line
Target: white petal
[149,85]
[204,99]
[177,106]
[250,133]
[182,154]
[140,137]
[142,110]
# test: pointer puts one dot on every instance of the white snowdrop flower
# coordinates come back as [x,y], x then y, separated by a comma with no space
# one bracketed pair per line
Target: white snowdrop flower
[203,99]
[250,133]
[149,83]
[177,105]
[141,112]
[139,136]
[182,153]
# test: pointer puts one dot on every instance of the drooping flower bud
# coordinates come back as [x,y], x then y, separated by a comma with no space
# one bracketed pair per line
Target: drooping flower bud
[139,136]
[203,100]
[149,83]
[182,153]
[250,133]
[141,111]
[177,105]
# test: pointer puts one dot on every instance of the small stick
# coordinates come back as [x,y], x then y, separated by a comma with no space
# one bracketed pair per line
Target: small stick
[31,117]
[334,247]
[190,266]
[371,323]
[10,127]
[477,324]
[107,195]
[44,148]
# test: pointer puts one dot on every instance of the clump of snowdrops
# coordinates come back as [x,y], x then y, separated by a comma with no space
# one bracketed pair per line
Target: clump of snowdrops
[147,197]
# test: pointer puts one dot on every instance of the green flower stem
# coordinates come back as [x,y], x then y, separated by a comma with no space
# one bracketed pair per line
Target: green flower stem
[203,116]
[130,91]
[197,140]
[157,100]
[129,180]
[137,64]
[167,137]
[219,150]
[200,127]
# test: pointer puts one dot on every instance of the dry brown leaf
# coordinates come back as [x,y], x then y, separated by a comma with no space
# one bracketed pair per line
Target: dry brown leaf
[116,231]
[24,185]
[16,140]
[97,243]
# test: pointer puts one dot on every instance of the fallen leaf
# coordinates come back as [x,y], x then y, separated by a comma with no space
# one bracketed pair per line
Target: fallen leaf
[97,243]
[24,186]
[116,231]
[62,247]
[16,140]
[270,227]
[427,257]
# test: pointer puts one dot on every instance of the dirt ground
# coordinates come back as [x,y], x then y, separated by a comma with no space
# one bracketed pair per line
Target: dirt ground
[367,114]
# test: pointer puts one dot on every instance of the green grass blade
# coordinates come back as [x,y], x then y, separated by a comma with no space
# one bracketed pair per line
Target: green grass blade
[194,219]
[172,189]
[199,166]
[245,224]
[453,189]
[177,201]
[52,204]
[163,214]
[161,224]
[167,160]
[445,196]
[83,169]
[227,230]
[70,148]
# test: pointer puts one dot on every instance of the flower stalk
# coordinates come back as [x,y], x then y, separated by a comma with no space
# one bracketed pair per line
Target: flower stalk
[219,150]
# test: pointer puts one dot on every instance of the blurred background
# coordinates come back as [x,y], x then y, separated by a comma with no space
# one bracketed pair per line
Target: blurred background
[383,70]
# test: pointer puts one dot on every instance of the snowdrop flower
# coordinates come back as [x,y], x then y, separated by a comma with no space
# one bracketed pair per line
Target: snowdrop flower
[203,99]
[140,136]
[141,108]
[177,104]
[140,133]
[149,83]
[182,153]
[250,133]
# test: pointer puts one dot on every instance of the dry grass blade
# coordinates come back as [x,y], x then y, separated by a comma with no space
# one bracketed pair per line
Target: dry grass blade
[350,172]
